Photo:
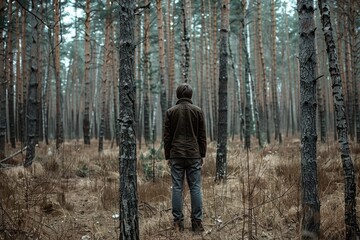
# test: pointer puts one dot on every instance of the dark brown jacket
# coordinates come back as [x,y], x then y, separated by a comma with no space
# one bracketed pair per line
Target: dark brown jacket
[184,131]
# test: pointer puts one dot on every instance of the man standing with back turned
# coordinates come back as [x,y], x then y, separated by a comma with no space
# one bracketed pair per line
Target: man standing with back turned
[185,148]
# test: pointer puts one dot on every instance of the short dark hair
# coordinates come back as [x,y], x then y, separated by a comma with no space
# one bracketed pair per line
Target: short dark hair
[184,90]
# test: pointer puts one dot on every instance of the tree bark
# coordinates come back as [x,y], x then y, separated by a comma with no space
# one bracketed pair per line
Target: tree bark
[40,31]
[213,96]
[10,75]
[162,74]
[32,108]
[248,116]
[185,63]
[147,75]
[129,223]
[307,59]
[274,85]
[25,73]
[105,78]
[265,118]
[2,85]
[352,228]
[87,95]
[170,52]
[221,154]
[59,122]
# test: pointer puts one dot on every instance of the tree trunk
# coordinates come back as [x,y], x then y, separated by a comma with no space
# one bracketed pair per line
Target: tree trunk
[2,85]
[129,223]
[307,58]
[59,122]
[24,73]
[248,116]
[348,81]
[147,81]
[276,111]
[354,16]
[221,154]
[162,74]
[320,86]
[19,106]
[10,75]
[87,95]
[185,64]
[241,50]
[105,73]
[265,118]
[352,228]
[32,108]
[214,74]
[114,81]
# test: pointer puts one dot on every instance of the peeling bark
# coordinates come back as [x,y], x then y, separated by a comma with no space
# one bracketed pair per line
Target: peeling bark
[352,228]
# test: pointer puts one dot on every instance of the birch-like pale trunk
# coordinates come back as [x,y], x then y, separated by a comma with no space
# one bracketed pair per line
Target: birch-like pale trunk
[351,226]
[129,219]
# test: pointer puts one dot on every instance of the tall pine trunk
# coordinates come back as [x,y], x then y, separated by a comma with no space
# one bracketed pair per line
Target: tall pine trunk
[185,64]
[276,111]
[265,117]
[40,31]
[170,52]
[161,44]
[24,73]
[2,85]
[307,59]
[147,75]
[105,78]
[10,75]
[352,228]
[221,154]
[59,122]
[129,219]
[87,94]
[32,108]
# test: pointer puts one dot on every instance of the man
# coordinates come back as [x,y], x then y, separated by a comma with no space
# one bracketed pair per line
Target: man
[185,148]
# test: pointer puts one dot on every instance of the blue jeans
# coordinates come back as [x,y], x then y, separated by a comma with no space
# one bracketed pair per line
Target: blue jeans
[192,169]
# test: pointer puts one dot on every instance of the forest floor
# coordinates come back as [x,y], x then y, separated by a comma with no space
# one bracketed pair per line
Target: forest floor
[73,194]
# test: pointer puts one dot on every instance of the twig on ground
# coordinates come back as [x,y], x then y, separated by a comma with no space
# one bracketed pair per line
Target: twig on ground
[14,154]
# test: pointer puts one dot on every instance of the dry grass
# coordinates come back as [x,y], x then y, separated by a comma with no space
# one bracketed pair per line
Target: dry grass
[73,194]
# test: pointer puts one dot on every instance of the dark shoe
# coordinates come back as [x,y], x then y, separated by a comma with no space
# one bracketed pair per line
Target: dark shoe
[197,226]
[179,226]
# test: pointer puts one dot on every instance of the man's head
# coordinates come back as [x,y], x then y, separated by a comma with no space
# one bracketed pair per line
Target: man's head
[184,91]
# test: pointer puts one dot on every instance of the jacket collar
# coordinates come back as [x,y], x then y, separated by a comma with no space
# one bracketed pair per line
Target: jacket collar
[181,100]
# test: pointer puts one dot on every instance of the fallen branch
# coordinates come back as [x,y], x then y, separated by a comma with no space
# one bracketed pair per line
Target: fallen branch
[14,154]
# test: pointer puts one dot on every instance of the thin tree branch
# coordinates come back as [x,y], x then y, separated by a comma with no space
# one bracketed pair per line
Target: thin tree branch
[14,154]
[27,10]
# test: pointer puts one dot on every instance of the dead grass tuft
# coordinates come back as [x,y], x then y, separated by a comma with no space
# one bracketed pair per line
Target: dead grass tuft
[74,193]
